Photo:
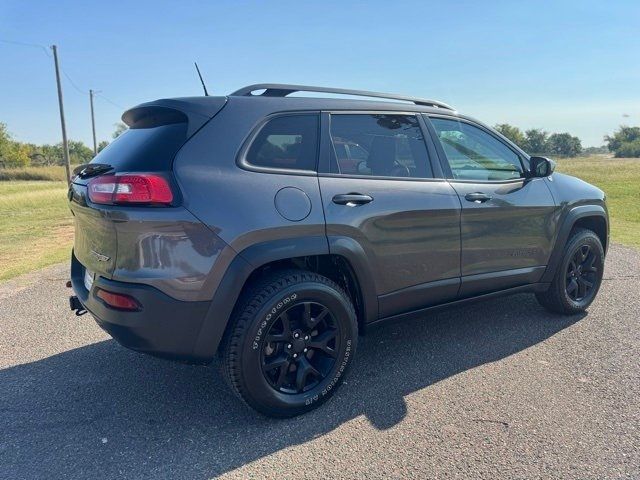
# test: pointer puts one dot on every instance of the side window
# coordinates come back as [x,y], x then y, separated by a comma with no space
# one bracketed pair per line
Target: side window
[473,154]
[289,141]
[379,145]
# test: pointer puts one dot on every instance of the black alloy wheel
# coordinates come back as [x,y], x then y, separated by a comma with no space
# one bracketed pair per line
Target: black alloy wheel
[577,279]
[290,342]
[300,348]
[581,273]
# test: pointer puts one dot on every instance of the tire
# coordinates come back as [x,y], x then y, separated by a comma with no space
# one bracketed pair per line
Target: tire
[578,277]
[284,372]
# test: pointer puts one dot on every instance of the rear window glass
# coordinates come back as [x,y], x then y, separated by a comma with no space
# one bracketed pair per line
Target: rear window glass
[148,149]
[379,145]
[289,142]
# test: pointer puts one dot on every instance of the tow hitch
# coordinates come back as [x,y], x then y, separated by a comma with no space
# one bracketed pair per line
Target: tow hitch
[76,305]
[74,302]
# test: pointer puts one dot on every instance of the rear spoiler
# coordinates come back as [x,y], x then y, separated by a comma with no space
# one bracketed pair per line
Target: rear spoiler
[195,111]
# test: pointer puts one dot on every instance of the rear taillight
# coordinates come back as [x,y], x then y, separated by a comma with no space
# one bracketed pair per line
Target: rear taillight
[141,188]
[118,301]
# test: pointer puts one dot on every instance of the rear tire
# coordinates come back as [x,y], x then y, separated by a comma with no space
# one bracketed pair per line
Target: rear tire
[578,277]
[289,343]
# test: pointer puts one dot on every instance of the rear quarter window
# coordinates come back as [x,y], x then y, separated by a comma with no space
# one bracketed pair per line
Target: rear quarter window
[286,142]
[144,149]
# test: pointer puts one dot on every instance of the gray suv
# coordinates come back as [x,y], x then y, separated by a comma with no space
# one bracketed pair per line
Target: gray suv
[272,230]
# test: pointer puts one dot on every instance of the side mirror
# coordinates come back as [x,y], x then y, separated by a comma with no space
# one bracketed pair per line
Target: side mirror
[541,166]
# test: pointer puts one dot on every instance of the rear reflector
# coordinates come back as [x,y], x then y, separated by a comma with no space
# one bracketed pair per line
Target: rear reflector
[144,188]
[117,300]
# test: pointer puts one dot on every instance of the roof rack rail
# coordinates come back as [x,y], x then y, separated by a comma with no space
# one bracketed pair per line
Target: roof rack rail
[282,90]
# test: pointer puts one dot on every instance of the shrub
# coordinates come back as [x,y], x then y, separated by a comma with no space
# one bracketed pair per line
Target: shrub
[624,142]
[629,149]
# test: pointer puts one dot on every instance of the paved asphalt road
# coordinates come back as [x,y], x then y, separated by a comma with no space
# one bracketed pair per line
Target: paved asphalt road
[500,389]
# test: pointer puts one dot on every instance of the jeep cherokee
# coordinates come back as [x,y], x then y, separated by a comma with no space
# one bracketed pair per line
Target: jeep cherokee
[271,230]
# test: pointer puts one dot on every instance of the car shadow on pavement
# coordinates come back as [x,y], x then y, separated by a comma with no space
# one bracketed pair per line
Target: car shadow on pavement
[103,411]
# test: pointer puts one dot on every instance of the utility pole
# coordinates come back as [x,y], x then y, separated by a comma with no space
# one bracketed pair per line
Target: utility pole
[93,123]
[65,143]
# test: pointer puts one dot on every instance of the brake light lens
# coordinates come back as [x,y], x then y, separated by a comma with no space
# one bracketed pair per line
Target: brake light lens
[117,300]
[142,188]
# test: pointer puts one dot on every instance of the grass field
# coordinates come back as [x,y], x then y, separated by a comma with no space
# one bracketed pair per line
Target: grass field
[36,227]
[620,180]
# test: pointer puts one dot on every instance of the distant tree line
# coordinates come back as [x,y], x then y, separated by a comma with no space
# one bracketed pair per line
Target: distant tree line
[539,142]
[625,142]
[21,154]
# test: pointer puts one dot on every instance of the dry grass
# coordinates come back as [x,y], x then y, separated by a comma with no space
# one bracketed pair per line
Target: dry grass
[55,173]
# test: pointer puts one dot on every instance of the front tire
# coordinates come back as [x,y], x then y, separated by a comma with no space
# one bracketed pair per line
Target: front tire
[290,342]
[578,277]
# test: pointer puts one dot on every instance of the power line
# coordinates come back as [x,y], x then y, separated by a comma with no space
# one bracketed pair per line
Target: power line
[98,94]
[24,44]
[73,84]
[46,52]
[80,90]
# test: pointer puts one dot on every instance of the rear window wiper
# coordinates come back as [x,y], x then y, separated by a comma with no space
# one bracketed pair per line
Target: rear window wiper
[91,169]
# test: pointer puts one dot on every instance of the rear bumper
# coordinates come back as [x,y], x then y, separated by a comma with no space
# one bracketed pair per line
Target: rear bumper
[164,327]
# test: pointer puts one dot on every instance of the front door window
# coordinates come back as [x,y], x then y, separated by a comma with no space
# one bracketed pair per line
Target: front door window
[473,154]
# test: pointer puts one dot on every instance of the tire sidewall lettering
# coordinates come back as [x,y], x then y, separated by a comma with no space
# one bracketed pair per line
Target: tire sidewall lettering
[337,376]
[257,386]
[271,315]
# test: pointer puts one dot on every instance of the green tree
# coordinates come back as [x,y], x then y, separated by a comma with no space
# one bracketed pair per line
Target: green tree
[48,155]
[512,133]
[563,144]
[16,154]
[5,138]
[12,153]
[79,152]
[102,145]
[120,129]
[54,154]
[624,142]
[536,141]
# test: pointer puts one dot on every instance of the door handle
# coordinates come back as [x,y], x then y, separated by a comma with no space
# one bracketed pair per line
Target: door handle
[477,197]
[352,199]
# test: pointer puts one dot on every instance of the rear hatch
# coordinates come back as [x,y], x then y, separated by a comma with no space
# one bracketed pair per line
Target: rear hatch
[157,130]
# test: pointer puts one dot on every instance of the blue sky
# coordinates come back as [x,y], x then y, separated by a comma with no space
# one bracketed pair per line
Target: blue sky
[561,66]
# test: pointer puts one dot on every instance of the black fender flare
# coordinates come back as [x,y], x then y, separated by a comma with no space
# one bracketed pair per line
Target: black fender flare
[355,255]
[253,257]
[564,230]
